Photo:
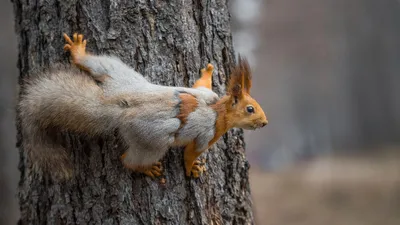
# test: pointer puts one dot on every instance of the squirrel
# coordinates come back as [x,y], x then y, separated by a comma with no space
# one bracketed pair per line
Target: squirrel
[105,94]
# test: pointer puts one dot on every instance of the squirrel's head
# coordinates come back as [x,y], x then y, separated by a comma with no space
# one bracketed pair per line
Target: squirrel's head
[244,111]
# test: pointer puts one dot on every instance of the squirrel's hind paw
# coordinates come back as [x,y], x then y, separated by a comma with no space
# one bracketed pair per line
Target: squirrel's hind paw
[154,170]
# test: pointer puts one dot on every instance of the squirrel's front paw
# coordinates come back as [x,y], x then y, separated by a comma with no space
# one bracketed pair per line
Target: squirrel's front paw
[77,47]
[197,169]
[208,71]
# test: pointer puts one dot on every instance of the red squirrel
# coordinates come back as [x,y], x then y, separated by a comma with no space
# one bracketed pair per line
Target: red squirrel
[109,94]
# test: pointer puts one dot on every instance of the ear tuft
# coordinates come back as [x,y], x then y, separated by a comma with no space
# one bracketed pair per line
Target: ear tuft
[240,78]
[244,69]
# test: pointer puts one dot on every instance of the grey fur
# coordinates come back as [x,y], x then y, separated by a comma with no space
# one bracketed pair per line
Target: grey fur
[125,79]
[113,67]
[145,113]
[200,126]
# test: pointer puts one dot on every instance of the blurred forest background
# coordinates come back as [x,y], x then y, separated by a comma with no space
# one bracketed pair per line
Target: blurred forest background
[327,74]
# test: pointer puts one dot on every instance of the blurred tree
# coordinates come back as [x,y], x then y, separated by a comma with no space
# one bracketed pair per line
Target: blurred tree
[373,36]
[168,42]
[329,77]
[8,153]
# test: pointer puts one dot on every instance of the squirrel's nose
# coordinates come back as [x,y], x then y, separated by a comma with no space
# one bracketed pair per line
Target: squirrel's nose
[264,123]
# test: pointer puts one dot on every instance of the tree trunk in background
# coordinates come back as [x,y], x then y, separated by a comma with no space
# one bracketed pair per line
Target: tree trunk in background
[8,153]
[374,52]
[169,43]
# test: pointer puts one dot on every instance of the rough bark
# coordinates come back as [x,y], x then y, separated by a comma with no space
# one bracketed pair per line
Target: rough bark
[168,42]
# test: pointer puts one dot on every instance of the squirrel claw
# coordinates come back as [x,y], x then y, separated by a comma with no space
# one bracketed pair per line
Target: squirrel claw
[80,38]
[198,169]
[152,174]
[156,168]
[75,37]
[154,171]
[67,47]
[67,39]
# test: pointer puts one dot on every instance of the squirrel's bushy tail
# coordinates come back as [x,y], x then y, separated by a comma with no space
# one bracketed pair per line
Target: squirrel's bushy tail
[61,99]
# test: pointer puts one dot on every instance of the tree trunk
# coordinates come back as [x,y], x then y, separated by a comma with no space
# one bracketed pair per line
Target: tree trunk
[168,42]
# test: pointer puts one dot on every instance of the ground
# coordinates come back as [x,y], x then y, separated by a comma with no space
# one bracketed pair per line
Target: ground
[351,190]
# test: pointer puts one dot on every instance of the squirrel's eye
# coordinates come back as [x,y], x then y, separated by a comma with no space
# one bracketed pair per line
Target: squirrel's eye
[250,109]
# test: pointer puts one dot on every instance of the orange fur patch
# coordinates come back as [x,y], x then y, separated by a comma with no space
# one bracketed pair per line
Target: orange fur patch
[188,105]
[221,126]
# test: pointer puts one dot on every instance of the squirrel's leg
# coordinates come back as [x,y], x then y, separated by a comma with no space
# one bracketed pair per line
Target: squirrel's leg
[100,67]
[154,170]
[192,166]
[206,77]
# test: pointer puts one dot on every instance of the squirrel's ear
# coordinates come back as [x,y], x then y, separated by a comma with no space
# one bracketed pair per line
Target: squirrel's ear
[237,93]
[236,90]
[235,87]
[240,81]
[245,71]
